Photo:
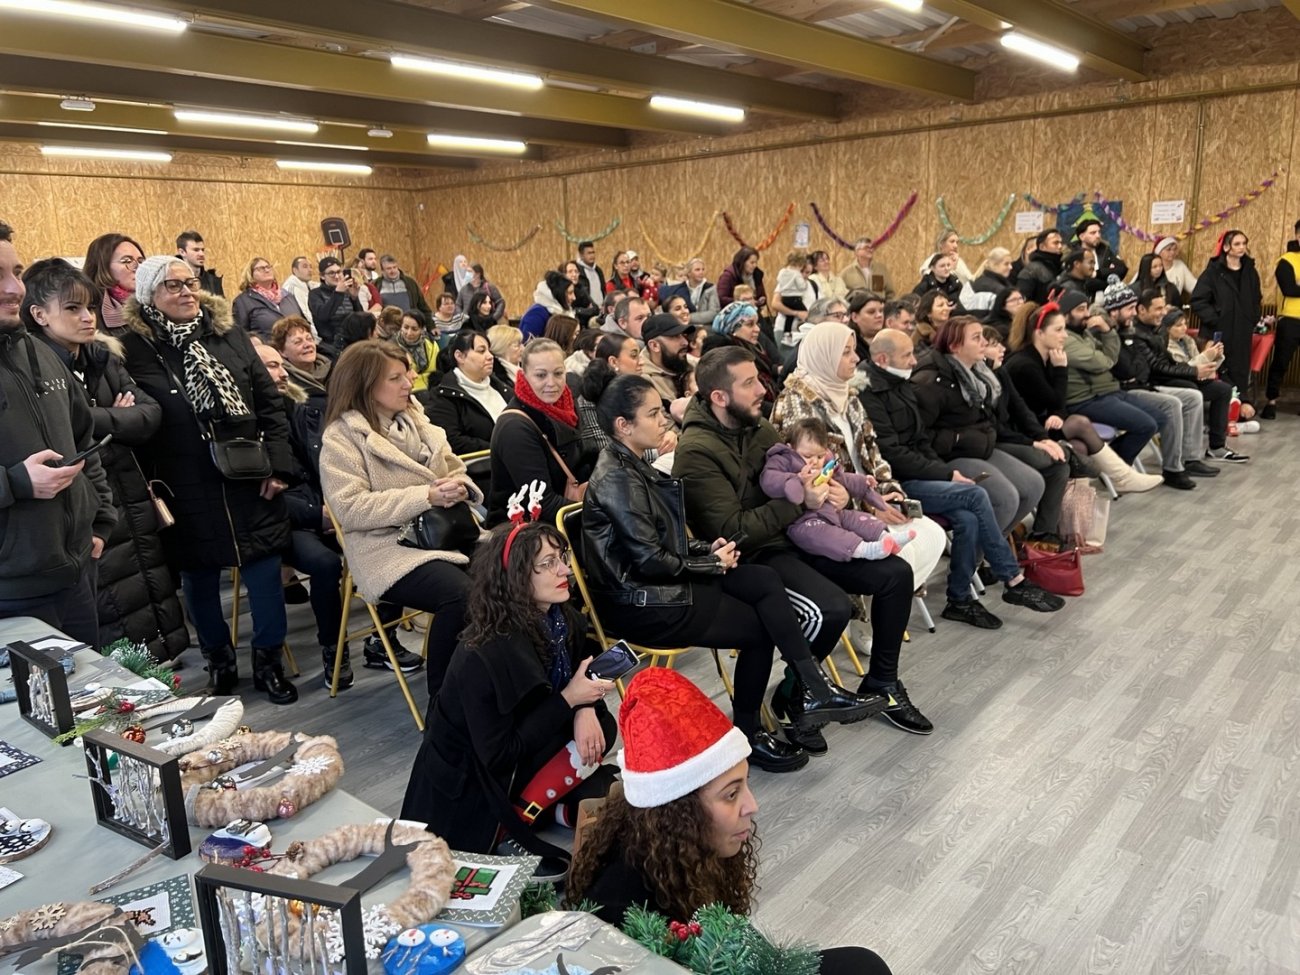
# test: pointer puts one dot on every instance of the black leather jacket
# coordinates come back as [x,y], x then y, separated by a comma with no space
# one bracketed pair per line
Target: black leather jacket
[635,549]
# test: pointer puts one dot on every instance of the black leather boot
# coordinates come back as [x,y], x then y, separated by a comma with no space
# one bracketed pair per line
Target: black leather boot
[268,676]
[810,740]
[223,670]
[771,754]
[817,702]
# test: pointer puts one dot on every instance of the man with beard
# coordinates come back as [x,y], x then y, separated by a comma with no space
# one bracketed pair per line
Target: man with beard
[57,518]
[1088,233]
[663,360]
[1042,268]
[720,456]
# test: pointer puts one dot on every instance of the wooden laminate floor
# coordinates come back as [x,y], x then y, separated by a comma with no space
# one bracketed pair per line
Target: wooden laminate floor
[1114,788]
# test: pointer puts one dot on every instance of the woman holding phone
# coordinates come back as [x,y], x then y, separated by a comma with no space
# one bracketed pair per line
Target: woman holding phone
[654,586]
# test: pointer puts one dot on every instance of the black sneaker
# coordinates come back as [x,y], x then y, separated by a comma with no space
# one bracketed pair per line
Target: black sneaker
[1032,597]
[346,678]
[1178,480]
[377,658]
[901,712]
[970,611]
[1269,412]
[1198,468]
[1226,456]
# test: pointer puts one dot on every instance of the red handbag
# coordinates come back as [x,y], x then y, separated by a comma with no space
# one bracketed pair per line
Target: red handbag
[1057,572]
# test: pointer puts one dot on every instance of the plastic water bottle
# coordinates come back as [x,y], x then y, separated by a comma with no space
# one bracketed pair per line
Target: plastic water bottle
[1234,412]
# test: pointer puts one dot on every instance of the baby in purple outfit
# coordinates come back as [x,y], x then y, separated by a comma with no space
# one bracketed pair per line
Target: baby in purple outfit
[836,534]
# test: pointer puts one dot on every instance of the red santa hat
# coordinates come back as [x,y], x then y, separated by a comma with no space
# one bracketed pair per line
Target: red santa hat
[674,739]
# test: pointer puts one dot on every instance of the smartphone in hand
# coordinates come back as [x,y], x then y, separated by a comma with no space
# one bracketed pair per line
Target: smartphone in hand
[78,458]
[618,660]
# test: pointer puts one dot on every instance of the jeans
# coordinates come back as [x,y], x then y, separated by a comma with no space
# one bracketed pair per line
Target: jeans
[974,528]
[202,589]
[1012,485]
[1117,410]
[1285,342]
[1180,413]
[73,611]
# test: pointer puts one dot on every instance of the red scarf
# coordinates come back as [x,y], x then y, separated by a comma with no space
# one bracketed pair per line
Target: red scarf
[270,292]
[561,411]
[119,293]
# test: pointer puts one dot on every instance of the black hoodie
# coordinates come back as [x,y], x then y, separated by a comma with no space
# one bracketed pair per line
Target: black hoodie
[1036,277]
[45,543]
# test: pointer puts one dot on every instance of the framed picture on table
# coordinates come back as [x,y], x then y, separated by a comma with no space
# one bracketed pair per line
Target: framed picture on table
[42,688]
[136,791]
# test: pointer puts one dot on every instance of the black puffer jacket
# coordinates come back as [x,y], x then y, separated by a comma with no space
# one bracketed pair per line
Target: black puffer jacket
[957,429]
[904,441]
[634,540]
[1036,277]
[467,424]
[951,289]
[137,591]
[306,415]
[1165,371]
[219,522]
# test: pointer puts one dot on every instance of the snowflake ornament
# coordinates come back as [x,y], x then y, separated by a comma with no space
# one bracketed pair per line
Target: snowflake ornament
[314,765]
[45,918]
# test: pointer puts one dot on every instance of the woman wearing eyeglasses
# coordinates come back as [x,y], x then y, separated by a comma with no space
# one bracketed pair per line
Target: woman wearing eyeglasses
[111,260]
[260,302]
[183,349]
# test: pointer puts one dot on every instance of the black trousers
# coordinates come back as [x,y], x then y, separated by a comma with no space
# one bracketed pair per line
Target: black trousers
[442,589]
[1286,341]
[824,582]
[852,961]
[1218,397]
[747,608]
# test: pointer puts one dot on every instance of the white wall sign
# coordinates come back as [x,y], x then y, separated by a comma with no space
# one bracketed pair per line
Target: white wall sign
[1029,221]
[801,235]
[1169,211]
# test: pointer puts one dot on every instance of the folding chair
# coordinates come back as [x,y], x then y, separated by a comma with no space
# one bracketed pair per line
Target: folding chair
[234,622]
[377,627]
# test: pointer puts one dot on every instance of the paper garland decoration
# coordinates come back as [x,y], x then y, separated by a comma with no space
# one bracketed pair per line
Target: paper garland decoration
[1145,235]
[889,231]
[767,241]
[574,238]
[699,248]
[998,221]
[501,248]
[1038,204]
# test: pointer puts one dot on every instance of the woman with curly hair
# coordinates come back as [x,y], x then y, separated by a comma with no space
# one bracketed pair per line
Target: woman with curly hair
[681,836]
[518,723]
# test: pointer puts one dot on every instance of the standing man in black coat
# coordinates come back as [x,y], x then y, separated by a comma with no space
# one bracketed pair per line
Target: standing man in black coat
[53,520]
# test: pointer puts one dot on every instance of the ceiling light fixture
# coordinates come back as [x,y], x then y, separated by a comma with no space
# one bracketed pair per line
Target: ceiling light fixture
[351,169]
[687,106]
[103,13]
[201,117]
[379,132]
[77,105]
[322,145]
[467,72]
[1049,54]
[911,6]
[91,152]
[100,128]
[475,143]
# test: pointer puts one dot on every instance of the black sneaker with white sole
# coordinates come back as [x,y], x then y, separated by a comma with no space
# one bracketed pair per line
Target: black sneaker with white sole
[970,611]
[1225,456]
[376,657]
[900,711]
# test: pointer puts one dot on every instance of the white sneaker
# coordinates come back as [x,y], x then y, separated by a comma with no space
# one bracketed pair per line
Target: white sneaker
[1248,426]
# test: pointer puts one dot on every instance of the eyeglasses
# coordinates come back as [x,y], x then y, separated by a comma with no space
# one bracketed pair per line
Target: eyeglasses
[262,267]
[130,262]
[175,287]
[553,563]
[837,314]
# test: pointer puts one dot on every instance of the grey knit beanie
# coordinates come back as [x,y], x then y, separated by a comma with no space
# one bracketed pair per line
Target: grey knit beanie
[150,274]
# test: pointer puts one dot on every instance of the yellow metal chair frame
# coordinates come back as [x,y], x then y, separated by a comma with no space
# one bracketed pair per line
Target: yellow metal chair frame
[234,622]
[377,627]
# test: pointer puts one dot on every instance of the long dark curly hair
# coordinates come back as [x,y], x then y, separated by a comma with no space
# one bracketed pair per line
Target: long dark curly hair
[669,846]
[501,600]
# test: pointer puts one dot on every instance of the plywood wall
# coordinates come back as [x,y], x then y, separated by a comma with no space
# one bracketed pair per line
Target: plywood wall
[243,208]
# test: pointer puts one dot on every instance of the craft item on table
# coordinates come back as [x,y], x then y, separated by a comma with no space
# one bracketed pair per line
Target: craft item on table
[136,658]
[214,794]
[8,877]
[714,932]
[563,941]
[575,238]
[141,796]
[232,843]
[90,696]
[767,241]
[502,248]
[101,931]
[487,889]
[181,733]
[42,687]
[153,911]
[184,946]
[14,759]
[429,949]
[21,837]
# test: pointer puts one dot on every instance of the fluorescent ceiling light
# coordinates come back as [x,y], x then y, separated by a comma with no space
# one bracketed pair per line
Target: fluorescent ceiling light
[1049,54]
[686,106]
[353,169]
[116,16]
[247,121]
[476,143]
[379,132]
[77,105]
[911,6]
[100,128]
[467,72]
[322,145]
[90,152]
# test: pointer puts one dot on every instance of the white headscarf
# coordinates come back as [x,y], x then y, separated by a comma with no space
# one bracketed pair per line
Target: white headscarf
[819,363]
[461,272]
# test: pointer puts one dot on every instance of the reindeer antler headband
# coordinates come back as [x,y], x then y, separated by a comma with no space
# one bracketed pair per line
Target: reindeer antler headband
[533,491]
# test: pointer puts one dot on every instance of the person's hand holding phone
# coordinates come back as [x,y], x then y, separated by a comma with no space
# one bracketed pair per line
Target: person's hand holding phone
[588,736]
[582,689]
[49,482]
